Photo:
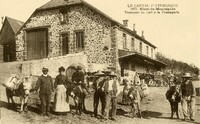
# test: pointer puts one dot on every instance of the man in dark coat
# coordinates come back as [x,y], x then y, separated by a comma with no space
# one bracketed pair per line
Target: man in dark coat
[188,97]
[45,84]
[99,92]
[78,78]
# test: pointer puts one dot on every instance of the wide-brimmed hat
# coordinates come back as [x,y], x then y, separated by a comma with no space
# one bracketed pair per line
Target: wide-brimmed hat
[186,75]
[99,73]
[112,74]
[45,69]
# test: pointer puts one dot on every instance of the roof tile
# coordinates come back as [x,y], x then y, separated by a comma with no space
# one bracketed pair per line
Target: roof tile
[58,3]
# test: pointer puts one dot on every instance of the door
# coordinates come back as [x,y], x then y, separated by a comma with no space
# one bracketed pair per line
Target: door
[9,51]
[37,45]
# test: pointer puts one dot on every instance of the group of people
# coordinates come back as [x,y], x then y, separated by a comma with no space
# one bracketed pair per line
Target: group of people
[185,94]
[105,86]
[106,90]
[47,87]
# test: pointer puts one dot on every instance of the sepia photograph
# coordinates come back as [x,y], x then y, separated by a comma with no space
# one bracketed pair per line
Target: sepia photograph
[99,62]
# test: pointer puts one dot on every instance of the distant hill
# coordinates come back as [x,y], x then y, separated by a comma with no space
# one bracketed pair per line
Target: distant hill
[177,67]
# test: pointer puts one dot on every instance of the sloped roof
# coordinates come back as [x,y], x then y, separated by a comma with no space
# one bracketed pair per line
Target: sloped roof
[57,3]
[15,24]
[61,3]
[145,59]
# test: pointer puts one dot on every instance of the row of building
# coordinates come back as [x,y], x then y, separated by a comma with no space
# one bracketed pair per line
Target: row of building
[66,27]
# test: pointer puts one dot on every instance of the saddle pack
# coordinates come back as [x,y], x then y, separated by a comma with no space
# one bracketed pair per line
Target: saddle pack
[13,82]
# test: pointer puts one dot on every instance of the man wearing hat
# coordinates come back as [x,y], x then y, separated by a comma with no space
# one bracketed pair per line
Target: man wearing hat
[78,78]
[99,92]
[187,91]
[45,84]
[111,89]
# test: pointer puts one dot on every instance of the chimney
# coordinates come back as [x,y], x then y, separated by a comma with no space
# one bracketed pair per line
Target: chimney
[134,28]
[142,34]
[2,20]
[125,23]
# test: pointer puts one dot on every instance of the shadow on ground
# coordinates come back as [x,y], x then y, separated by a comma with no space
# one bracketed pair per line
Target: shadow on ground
[158,115]
[9,106]
[36,108]
[151,114]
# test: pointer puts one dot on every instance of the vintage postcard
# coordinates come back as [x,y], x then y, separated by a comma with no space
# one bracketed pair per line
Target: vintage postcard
[99,62]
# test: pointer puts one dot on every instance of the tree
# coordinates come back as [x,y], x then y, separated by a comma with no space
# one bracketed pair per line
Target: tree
[180,66]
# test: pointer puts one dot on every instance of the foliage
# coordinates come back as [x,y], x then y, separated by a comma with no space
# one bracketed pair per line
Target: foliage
[177,66]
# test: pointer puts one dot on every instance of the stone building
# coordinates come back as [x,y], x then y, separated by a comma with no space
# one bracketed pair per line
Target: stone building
[66,27]
[1,53]
[7,39]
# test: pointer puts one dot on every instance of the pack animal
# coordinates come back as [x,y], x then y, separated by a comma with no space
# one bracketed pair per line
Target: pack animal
[135,93]
[135,97]
[77,93]
[21,89]
[173,96]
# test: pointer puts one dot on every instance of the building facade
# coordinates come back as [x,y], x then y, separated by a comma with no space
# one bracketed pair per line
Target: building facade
[65,27]
[7,38]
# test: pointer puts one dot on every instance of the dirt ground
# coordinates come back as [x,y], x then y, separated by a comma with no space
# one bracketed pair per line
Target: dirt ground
[155,110]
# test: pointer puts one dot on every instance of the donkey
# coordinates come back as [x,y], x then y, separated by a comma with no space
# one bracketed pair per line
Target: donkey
[135,96]
[173,96]
[77,93]
[22,91]
[135,93]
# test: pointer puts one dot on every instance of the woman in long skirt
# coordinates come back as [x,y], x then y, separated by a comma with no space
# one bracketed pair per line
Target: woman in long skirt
[61,102]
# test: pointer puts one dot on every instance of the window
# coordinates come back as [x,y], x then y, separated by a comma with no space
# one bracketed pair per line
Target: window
[124,41]
[132,44]
[140,47]
[79,39]
[151,52]
[64,44]
[147,50]
[64,18]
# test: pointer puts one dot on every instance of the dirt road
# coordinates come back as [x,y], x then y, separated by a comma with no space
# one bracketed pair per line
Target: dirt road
[155,110]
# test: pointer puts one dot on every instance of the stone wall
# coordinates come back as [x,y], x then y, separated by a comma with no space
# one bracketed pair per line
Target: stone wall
[34,66]
[97,33]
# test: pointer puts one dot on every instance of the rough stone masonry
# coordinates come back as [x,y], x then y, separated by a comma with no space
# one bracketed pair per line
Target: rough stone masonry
[97,34]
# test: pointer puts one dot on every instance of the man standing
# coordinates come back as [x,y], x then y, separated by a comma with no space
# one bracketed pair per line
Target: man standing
[188,97]
[99,93]
[78,78]
[45,84]
[111,89]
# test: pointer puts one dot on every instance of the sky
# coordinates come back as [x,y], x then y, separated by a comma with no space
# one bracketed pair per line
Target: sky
[176,35]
